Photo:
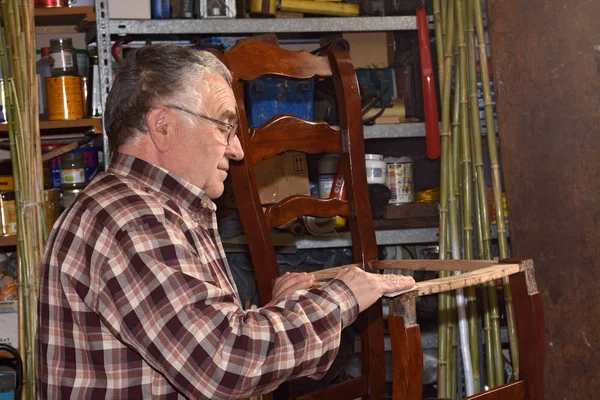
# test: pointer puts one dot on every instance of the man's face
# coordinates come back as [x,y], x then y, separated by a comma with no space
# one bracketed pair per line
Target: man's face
[203,153]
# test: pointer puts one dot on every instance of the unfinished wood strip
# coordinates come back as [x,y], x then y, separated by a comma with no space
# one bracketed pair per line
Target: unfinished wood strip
[432,265]
[467,279]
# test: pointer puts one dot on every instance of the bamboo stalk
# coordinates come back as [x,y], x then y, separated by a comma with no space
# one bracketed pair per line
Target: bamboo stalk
[18,37]
[444,196]
[439,41]
[487,331]
[496,185]
[452,328]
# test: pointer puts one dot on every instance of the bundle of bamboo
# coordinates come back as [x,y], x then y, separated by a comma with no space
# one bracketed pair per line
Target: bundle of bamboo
[17,56]
[463,198]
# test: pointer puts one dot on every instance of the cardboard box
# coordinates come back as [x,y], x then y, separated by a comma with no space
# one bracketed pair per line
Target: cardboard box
[130,9]
[277,178]
[368,49]
[282,176]
[9,323]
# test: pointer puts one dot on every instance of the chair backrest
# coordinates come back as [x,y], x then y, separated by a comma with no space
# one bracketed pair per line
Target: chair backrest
[252,59]
[247,61]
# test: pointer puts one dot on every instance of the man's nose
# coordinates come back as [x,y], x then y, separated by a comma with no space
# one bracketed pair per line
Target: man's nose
[234,149]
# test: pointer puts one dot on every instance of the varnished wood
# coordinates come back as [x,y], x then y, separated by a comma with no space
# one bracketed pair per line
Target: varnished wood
[293,206]
[309,137]
[249,207]
[546,63]
[247,61]
[274,60]
[407,359]
[531,329]
[8,240]
[510,391]
[364,244]
[432,265]
[91,123]
[358,386]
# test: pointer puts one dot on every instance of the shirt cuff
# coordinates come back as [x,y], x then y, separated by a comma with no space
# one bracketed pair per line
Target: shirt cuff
[347,301]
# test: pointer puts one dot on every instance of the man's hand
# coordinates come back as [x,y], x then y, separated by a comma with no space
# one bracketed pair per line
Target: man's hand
[288,283]
[368,288]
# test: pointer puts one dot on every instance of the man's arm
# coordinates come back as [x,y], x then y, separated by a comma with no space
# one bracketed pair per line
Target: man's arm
[167,306]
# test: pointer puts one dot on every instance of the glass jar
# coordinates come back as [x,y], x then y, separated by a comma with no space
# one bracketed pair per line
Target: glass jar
[73,171]
[63,57]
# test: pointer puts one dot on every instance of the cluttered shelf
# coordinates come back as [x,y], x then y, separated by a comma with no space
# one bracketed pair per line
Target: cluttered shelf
[262,25]
[92,123]
[57,16]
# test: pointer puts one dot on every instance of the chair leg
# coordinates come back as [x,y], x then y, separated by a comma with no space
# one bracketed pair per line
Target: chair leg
[373,351]
[531,330]
[407,359]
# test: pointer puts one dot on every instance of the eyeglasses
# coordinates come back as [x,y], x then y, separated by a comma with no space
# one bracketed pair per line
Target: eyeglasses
[228,133]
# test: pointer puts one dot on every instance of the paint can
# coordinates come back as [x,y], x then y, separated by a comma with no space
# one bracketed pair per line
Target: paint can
[8,213]
[64,98]
[51,3]
[400,180]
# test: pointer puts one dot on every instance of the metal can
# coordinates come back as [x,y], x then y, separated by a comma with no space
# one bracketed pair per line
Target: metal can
[51,3]
[64,98]
[400,180]
[8,213]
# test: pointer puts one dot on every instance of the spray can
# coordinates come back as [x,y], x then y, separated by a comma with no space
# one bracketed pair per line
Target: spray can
[161,9]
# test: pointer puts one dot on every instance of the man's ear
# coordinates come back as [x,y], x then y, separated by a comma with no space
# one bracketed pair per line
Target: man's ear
[161,127]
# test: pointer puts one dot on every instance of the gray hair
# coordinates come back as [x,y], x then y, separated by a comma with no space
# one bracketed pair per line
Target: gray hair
[149,75]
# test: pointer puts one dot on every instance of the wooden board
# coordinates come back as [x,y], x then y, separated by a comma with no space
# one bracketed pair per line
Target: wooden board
[93,123]
[547,68]
[411,210]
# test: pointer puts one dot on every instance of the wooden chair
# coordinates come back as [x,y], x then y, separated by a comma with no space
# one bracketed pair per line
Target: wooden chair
[407,352]
[247,61]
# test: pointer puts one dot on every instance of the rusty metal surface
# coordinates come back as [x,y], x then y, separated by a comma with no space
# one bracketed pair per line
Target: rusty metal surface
[546,57]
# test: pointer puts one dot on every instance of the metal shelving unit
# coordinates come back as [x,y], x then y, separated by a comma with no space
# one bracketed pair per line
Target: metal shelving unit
[391,131]
[106,27]
[270,25]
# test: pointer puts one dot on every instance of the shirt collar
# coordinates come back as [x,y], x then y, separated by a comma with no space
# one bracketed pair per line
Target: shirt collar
[160,180]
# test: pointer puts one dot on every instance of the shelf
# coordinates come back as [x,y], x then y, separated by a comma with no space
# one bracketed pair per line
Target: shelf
[57,16]
[383,237]
[390,131]
[250,25]
[93,123]
[8,241]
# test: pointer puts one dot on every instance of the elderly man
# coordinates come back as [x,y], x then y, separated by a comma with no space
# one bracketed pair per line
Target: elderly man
[136,296]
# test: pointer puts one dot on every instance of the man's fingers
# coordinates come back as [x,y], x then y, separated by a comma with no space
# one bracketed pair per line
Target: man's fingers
[394,282]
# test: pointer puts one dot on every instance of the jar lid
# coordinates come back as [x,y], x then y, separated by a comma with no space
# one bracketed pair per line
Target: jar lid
[72,156]
[373,156]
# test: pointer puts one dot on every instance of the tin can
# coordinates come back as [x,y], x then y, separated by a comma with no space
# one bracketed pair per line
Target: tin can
[8,213]
[69,196]
[400,180]
[51,3]
[64,98]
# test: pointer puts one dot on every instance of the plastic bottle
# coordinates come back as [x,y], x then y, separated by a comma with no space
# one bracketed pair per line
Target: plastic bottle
[43,70]
[376,168]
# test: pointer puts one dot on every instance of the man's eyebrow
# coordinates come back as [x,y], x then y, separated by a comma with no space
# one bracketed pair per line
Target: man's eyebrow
[228,115]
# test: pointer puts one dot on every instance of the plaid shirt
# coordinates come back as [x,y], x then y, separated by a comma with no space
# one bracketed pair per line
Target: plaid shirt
[137,301]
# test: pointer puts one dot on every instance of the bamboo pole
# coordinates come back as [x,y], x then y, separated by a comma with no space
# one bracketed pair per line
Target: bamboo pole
[496,185]
[444,196]
[487,332]
[452,329]
[439,41]
[18,37]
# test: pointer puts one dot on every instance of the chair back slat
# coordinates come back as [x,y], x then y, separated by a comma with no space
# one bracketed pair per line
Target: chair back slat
[274,60]
[286,133]
[296,206]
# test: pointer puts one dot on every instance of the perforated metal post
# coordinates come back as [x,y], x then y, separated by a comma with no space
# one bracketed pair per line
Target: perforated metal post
[104,63]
